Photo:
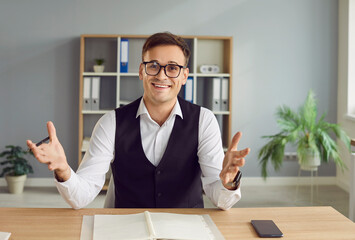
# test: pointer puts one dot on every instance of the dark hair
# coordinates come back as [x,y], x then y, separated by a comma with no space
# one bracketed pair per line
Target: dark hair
[166,38]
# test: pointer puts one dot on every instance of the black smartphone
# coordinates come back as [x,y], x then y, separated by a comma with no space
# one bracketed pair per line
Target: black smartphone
[266,229]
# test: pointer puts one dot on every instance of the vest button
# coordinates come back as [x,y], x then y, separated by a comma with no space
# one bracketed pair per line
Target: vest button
[159,194]
[158,172]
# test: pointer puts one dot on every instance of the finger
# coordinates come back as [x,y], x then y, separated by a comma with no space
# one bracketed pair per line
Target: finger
[51,132]
[235,140]
[237,162]
[233,169]
[51,166]
[30,144]
[241,154]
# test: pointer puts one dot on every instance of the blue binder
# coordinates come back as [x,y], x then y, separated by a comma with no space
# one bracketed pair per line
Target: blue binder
[124,55]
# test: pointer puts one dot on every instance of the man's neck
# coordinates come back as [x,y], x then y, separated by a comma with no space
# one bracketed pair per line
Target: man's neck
[159,112]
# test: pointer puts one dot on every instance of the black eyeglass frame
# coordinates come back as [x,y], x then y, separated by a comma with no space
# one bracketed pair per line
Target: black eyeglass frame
[161,66]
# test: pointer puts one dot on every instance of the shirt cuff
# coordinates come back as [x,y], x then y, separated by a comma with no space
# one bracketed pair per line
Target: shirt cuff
[227,198]
[68,182]
[64,187]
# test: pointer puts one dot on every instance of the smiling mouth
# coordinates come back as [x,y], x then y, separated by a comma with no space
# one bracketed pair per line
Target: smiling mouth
[161,86]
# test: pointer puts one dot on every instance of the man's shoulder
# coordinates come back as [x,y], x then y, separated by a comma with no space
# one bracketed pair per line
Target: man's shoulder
[188,104]
[206,114]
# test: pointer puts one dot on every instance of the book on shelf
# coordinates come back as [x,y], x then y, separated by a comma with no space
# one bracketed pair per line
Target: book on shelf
[213,94]
[149,226]
[91,93]
[87,94]
[124,55]
[217,94]
[224,94]
[95,94]
[189,89]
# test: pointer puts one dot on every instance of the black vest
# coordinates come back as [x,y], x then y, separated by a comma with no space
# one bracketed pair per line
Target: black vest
[176,181]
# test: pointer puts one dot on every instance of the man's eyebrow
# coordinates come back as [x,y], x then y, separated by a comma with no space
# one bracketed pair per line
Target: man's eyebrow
[169,62]
[173,62]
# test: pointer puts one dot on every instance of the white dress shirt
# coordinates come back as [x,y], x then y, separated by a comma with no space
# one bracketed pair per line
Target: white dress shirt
[84,185]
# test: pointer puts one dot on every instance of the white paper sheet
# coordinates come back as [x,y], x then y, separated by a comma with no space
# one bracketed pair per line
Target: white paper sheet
[4,235]
[87,228]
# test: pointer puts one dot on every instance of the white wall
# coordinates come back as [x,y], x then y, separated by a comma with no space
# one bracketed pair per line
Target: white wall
[346,76]
[281,50]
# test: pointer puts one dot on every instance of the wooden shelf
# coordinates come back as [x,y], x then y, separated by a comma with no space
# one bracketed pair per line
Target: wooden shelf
[119,88]
[99,74]
[219,75]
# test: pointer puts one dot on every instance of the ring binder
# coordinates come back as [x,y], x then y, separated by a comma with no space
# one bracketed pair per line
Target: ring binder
[87,94]
[224,94]
[124,55]
[95,94]
[189,89]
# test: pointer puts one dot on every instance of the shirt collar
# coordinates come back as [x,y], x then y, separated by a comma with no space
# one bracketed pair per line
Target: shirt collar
[142,109]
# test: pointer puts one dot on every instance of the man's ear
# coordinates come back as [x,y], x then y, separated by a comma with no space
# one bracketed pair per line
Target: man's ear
[186,75]
[141,69]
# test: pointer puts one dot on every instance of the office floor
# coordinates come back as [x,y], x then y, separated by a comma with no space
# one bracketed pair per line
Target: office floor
[252,196]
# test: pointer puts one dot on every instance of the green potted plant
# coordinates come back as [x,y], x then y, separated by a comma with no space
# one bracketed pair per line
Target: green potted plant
[311,137]
[16,168]
[99,67]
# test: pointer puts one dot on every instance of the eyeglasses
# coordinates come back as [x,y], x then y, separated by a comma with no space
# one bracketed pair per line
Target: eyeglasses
[171,70]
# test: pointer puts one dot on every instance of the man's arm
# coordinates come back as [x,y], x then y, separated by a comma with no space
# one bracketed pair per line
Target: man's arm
[83,186]
[215,165]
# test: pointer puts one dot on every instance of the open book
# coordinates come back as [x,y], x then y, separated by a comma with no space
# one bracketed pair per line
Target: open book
[4,235]
[149,226]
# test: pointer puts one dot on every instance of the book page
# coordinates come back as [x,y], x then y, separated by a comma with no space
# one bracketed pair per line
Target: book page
[87,228]
[4,235]
[128,227]
[180,226]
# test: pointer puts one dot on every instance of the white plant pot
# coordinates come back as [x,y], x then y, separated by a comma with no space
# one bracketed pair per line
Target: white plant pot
[99,68]
[16,183]
[311,162]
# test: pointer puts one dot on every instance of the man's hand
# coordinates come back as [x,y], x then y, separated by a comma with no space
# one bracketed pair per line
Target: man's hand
[233,159]
[52,154]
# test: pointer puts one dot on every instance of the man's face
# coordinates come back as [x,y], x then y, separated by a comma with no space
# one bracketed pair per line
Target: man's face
[161,89]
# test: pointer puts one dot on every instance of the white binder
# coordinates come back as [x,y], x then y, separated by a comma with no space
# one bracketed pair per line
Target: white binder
[189,89]
[216,94]
[224,94]
[87,94]
[95,95]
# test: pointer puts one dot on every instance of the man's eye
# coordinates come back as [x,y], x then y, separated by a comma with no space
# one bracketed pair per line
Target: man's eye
[153,66]
[173,68]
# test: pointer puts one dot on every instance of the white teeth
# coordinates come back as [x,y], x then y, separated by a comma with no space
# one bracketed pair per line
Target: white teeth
[161,86]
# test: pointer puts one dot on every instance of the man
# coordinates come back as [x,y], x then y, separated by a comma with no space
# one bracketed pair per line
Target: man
[165,151]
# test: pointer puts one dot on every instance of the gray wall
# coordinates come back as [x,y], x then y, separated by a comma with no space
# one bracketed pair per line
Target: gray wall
[282,48]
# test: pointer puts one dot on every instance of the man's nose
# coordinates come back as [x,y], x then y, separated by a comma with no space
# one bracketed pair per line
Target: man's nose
[161,75]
